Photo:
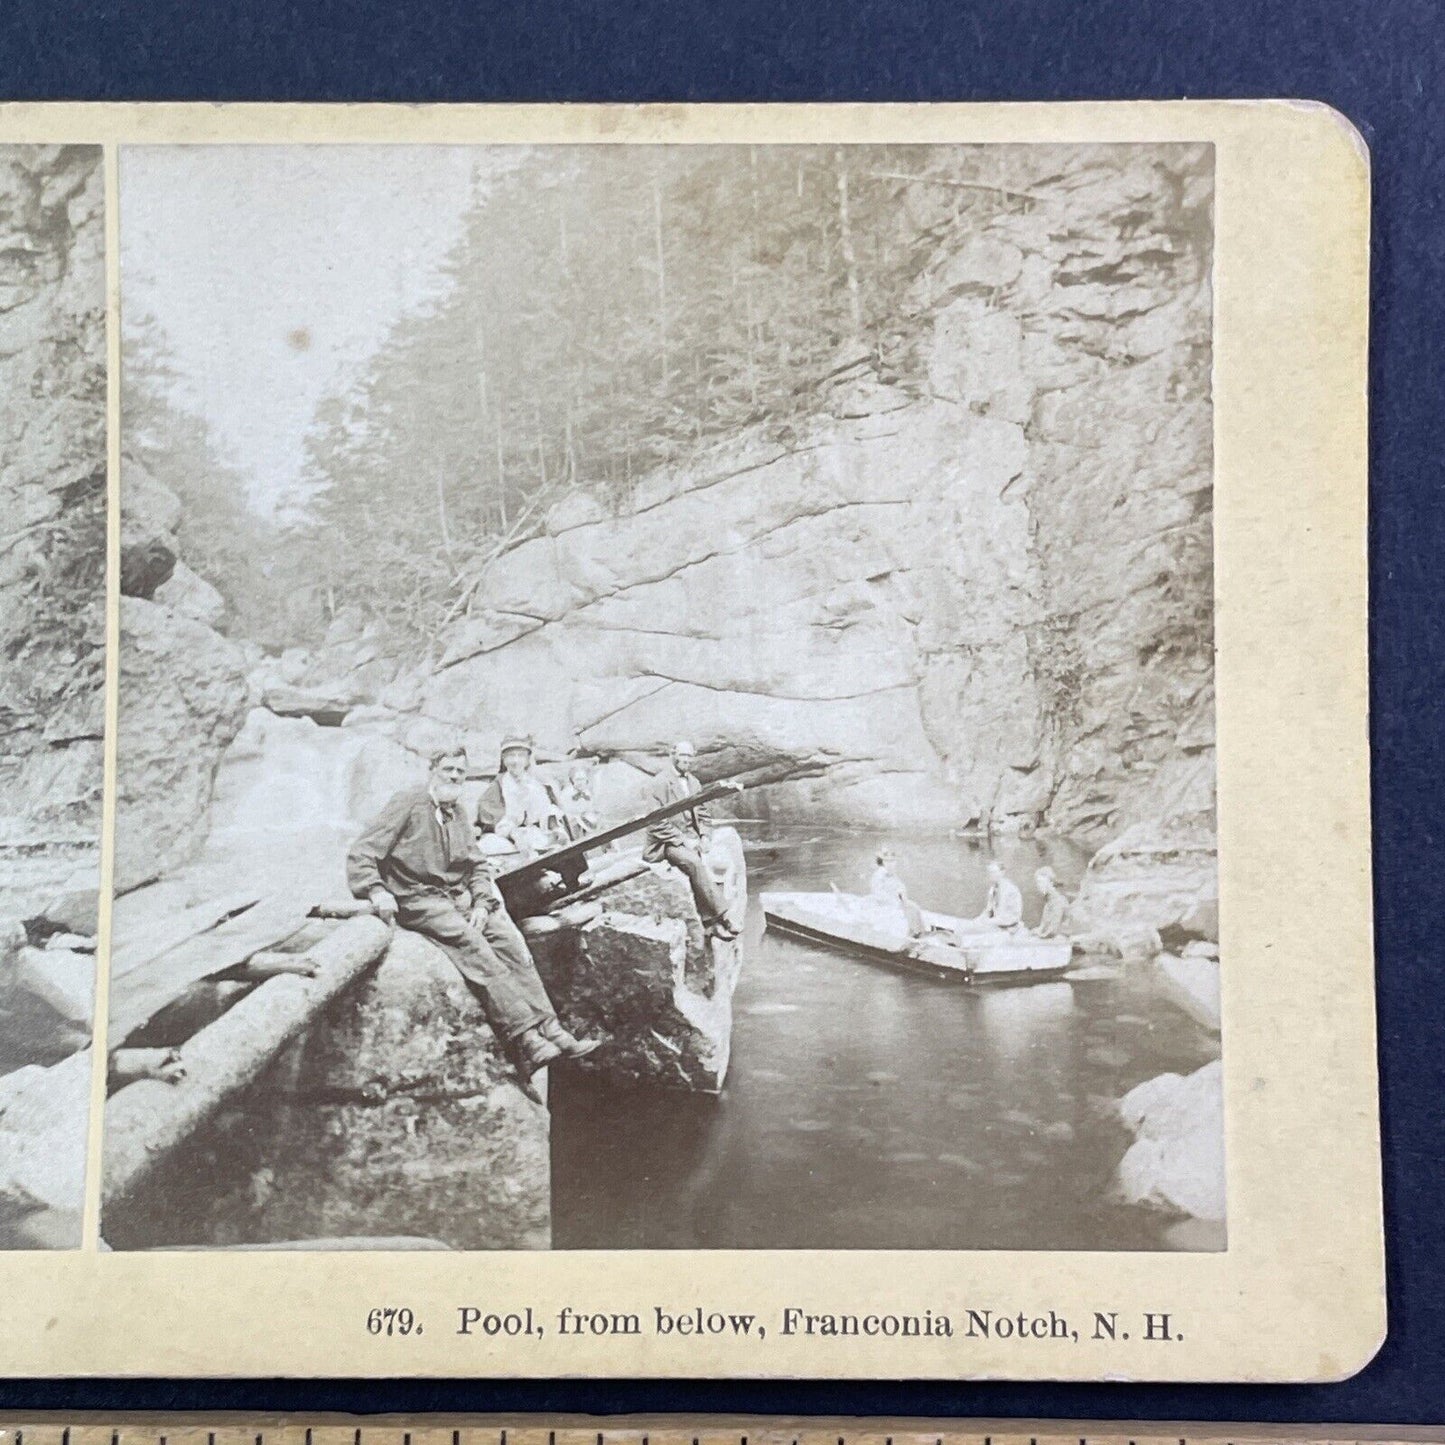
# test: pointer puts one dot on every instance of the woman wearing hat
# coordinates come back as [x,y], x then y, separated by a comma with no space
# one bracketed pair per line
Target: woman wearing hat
[517,805]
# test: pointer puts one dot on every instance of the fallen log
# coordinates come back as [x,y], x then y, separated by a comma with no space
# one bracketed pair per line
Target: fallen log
[602,880]
[127,954]
[127,1065]
[140,994]
[342,908]
[524,885]
[270,964]
[146,1120]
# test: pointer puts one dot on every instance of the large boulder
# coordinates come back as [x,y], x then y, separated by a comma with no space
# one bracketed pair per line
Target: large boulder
[644,979]
[192,596]
[44,1114]
[1152,876]
[395,1115]
[150,514]
[183,698]
[327,708]
[1192,983]
[406,1118]
[1176,1163]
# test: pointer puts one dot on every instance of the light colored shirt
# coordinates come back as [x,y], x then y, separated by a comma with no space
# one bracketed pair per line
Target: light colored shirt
[528,805]
[1005,904]
[1054,916]
[887,885]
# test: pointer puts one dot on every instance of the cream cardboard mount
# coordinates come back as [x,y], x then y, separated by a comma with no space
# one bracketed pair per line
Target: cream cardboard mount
[973,497]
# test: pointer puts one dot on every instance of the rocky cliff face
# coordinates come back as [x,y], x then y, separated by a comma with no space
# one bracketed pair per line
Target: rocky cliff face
[183,690]
[52,502]
[988,594]
[183,698]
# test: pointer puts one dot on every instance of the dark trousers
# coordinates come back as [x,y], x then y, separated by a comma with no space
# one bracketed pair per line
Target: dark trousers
[710,903]
[494,959]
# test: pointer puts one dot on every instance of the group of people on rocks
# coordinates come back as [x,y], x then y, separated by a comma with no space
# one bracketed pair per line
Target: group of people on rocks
[426,863]
[522,809]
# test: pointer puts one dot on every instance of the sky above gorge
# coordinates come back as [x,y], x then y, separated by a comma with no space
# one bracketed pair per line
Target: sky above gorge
[276,271]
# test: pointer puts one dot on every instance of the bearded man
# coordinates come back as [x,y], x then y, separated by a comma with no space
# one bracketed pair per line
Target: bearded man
[420,866]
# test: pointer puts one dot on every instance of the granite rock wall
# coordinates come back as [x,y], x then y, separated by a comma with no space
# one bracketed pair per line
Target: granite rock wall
[987,595]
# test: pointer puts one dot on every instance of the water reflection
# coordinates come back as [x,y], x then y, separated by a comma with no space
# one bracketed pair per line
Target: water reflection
[873,1109]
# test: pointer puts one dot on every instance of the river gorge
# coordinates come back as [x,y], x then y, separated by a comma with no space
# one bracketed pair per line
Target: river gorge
[955,596]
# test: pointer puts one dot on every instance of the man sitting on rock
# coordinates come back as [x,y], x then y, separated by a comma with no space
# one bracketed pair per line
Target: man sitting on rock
[682,839]
[420,866]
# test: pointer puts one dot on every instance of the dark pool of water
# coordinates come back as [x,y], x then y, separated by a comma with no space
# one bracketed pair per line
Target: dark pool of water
[872,1109]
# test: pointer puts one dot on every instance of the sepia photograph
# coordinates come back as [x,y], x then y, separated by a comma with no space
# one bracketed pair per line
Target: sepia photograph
[52,677]
[666,697]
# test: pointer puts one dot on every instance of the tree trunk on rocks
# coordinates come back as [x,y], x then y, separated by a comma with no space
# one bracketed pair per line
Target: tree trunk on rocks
[394,1114]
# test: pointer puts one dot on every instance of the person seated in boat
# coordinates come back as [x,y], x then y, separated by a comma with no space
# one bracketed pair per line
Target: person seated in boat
[1004,907]
[420,866]
[1056,916]
[579,810]
[518,805]
[682,840]
[887,887]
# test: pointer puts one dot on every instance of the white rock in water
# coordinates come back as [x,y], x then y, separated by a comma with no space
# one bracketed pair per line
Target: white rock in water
[1192,982]
[1177,1160]
[43,1121]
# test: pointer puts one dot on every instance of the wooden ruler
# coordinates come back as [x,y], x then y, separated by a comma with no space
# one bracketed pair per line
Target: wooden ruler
[239,1429]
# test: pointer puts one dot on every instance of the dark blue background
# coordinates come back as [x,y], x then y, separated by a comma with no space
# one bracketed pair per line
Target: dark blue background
[1380,63]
